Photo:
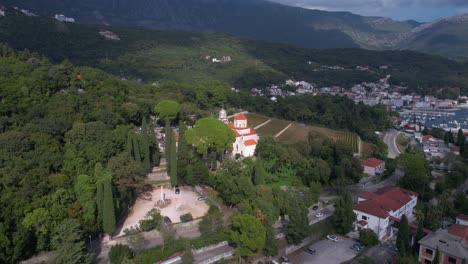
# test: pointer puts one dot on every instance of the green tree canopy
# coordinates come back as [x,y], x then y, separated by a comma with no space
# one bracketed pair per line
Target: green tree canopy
[167,109]
[210,133]
[248,233]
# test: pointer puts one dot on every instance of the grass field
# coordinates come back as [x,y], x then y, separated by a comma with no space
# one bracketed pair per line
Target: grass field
[254,120]
[273,127]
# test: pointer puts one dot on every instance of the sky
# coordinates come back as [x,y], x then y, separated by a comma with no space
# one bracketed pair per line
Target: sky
[419,10]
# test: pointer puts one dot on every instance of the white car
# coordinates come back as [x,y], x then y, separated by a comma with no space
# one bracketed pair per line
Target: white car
[333,238]
[318,215]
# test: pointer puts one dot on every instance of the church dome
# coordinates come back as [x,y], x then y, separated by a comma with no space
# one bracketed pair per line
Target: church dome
[222,113]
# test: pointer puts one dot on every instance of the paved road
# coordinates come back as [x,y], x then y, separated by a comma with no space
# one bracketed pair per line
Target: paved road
[212,253]
[326,211]
[390,139]
[328,252]
[372,187]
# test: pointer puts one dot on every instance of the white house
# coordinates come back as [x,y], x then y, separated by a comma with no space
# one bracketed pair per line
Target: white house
[246,137]
[462,219]
[373,166]
[63,18]
[377,211]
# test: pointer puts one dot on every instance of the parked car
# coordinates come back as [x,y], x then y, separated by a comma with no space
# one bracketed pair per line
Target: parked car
[202,197]
[285,260]
[177,189]
[310,250]
[318,215]
[358,247]
[332,238]
[315,208]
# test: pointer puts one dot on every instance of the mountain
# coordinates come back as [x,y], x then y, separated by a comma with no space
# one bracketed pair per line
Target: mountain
[447,36]
[153,55]
[257,19]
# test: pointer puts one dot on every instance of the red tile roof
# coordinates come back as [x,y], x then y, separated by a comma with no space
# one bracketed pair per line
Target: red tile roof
[372,162]
[429,137]
[362,222]
[250,142]
[371,207]
[240,116]
[383,201]
[463,217]
[459,230]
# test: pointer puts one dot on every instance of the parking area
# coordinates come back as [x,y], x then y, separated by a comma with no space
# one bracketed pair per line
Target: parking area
[327,252]
[383,253]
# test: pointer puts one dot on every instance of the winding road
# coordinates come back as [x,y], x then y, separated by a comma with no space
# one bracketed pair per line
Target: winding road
[390,139]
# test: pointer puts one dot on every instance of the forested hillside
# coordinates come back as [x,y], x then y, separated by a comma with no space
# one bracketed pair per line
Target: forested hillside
[181,56]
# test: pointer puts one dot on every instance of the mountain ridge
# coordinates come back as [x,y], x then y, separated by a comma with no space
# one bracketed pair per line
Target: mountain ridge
[268,21]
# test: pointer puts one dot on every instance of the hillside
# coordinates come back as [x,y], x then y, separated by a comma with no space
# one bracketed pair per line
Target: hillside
[181,56]
[265,20]
[448,37]
[258,19]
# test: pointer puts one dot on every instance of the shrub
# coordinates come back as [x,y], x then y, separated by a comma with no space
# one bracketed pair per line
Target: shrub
[186,217]
[119,252]
[368,237]
[153,221]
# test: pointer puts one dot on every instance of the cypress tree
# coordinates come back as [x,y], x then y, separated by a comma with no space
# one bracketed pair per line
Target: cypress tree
[173,160]
[183,152]
[450,137]
[259,173]
[136,149]
[129,147]
[437,256]
[460,138]
[344,215]
[167,150]
[108,222]
[98,177]
[419,236]
[403,237]
[145,146]
[167,138]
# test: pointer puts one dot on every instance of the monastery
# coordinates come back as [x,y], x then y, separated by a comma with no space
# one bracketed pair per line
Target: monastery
[246,137]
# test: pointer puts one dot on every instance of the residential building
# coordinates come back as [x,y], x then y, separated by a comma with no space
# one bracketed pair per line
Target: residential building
[462,219]
[246,137]
[379,210]
[453,249]
[373,166]
[63,18]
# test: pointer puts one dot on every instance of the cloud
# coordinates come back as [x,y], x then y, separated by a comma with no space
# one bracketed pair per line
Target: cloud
[398,9]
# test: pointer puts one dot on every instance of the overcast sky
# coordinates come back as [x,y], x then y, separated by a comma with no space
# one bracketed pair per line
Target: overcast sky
[420,10]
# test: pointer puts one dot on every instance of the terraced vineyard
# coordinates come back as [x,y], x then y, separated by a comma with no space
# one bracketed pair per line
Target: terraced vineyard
[299,132]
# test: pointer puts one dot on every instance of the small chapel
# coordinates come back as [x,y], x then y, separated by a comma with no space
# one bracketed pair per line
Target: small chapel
[246,137]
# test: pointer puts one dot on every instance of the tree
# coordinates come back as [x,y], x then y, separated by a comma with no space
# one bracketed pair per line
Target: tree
[85,190]
[108,221]
[417,172]
[152,221]
[344,216]
[210,133]
[437,256]
[248,233]
[127,174]
[419,236]
[460,138]
[368,237]
[259,173]
[136,148]
[173,161]
[211,222]
[167,109]
[187,257]
[119,252]
[168,234]
[403,237]
[270,248]
[68,241]
[298,225]
[183,153]
[145,145]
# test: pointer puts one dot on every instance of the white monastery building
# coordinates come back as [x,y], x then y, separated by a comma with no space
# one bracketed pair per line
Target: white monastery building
[378,210]
[246,137]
